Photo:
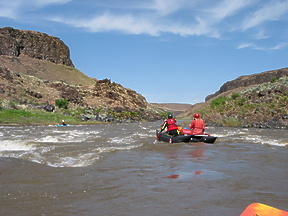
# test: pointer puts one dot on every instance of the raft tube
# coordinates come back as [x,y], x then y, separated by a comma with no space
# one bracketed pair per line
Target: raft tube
[164,137]
[263,210]
[203,138]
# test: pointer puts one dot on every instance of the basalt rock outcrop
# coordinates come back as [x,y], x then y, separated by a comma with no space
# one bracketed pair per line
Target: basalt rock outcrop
[14,42]
[249,80]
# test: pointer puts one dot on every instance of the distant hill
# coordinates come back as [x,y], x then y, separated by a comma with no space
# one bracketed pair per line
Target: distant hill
[257,100]
[175,108]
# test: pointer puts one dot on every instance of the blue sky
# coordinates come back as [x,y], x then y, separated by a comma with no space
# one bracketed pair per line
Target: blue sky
[167,50]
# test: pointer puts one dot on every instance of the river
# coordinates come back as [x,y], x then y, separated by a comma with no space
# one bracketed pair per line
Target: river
[120,170]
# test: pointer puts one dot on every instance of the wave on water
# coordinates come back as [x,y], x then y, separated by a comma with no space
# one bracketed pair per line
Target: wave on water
[12,145]
[60,139]
[257,136]
[121,140]
[82,160]
[266,140]
[83,146]
[66,149]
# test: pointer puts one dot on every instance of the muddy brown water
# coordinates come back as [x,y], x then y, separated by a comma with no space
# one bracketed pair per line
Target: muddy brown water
[120,170]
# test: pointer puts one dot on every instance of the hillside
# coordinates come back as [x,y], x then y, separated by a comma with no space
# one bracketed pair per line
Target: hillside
[36,71]
[40,55]
[259,100]
[174,108]
[249,80]
[45,70]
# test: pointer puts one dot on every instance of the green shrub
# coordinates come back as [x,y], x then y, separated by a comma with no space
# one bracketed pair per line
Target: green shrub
[231,122]
[235,95]
[218,101]
[62,103]
[273,79]
[241,101]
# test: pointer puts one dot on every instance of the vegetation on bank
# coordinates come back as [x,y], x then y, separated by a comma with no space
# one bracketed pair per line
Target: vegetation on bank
[35,117]
[258,106]
[12,113]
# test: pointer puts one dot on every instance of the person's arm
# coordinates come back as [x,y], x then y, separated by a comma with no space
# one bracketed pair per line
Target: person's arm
[192,125]
[163,126]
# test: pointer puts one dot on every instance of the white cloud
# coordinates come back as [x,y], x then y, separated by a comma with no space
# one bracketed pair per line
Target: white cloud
[261,35]
[155,19]
[280,46]
[245,45]
[165,7]
[208,18]
[211,20]
[109,22]
[227,8]
[8,8]
[13,9]
[138,25]
[47,2]
[251,46]
[274,10]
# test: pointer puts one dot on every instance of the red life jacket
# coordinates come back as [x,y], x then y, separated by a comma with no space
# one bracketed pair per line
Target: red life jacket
[198,127]
[171,124]
[199,123]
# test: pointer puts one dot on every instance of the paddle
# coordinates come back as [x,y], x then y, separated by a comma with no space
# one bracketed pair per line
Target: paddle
[158,135]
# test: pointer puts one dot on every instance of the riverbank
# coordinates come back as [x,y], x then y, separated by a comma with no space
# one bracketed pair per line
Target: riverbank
[9,117]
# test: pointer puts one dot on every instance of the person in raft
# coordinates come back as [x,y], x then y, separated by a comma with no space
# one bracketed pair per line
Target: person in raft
[63,123]
[197,125]
[170,124]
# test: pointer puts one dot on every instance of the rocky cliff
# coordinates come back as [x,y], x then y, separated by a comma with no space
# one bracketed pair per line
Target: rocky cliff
[249,80]
[258,100]
[36,70]
[34,44]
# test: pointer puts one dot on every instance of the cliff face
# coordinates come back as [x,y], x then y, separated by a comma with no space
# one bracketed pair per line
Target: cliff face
[14,42]
[249,80]
[36,70]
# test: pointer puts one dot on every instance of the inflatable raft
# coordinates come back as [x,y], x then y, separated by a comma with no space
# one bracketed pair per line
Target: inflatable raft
[260,209]
[61,125]
[186,138]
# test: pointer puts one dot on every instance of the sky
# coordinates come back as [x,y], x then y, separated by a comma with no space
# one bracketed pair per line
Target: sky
[170,51]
